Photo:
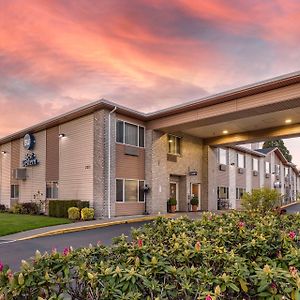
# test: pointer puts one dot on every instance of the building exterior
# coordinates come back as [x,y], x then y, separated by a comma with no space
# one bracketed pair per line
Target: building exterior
[106,154]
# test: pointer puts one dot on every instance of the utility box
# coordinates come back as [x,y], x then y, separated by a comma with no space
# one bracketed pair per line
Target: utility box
[19,174]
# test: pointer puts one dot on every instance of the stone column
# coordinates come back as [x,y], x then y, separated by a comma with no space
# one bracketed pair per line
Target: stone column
[209,189]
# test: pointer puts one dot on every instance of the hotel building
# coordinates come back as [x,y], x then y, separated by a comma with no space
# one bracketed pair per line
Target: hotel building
[105,153]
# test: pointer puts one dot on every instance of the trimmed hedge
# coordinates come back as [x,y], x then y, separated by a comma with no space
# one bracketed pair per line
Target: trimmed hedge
[59,208]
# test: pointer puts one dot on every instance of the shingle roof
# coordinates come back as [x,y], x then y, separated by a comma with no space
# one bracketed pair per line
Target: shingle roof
[265,150]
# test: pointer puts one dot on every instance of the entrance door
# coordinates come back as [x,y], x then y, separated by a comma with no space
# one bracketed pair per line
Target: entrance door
[196,192]
[174,192]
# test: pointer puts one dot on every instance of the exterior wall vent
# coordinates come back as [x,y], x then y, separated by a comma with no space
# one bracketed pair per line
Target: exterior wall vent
[240,170]
[255,173]
[19,174]
[171,157]
[132,151]
[222,167]
[267,175]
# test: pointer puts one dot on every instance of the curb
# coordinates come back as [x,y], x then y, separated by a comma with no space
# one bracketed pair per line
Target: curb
[290,204]
[93,226]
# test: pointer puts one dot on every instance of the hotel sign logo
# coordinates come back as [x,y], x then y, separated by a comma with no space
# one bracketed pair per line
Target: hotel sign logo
[29,141]
[30,157]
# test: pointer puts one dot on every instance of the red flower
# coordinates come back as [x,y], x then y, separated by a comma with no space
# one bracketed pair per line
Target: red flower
[293,271]
[1,266]
[208,297]
[241,224]
[140,243]
[292,235]
[66,251]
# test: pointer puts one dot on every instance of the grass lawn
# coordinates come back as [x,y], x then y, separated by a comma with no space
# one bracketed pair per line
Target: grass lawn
[12,223]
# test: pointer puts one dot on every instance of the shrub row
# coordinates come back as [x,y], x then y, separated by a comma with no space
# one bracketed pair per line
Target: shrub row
[239,255]
[59,208]
[29,208]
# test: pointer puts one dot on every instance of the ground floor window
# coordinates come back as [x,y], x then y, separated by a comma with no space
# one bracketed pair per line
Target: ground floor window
[240,192]
[130,190]
[14,191]
[52,190]
[223,192]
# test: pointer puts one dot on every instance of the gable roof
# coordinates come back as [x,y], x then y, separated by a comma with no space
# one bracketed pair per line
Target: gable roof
[265,151]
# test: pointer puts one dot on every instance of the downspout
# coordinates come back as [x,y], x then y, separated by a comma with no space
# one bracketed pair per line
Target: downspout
[109,159]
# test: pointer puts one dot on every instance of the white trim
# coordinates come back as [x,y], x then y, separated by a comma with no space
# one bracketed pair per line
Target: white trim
[138,133]
[138,189]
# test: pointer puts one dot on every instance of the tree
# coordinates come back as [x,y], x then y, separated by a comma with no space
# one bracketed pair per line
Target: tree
[280,145]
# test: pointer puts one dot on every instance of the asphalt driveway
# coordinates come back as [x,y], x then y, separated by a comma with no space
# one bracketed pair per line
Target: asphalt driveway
[12,253]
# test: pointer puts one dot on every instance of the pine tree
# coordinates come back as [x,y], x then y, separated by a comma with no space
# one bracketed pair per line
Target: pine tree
[281,146]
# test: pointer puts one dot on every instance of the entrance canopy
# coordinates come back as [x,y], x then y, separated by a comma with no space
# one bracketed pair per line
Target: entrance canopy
[266,110]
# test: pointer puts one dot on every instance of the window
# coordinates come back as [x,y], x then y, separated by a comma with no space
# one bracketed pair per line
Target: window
[222,156]
[241,160]
[267,166]
[277,169]
[223,192]
[254,164]
[130,134]
[240,192]
[52,190]
[174,144]
[286,171]
[14,191]
[129,190]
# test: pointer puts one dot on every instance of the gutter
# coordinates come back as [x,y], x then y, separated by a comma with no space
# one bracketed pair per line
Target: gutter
[109,160]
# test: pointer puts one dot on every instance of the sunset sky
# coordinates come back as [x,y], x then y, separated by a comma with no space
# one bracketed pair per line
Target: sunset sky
[145,54]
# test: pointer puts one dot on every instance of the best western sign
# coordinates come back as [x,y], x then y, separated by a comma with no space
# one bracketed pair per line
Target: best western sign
[30,157]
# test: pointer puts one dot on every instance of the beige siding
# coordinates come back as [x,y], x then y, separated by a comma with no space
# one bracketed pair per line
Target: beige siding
[5,174]
[132,167]
[52,154]
[76,160]
[128,209]
[35,180]
[15,158]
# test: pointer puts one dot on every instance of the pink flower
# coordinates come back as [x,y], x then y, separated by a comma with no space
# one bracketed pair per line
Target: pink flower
[10,276]
[273,285]
[293,271]
[54,251]
[208,297]
[241,224]
[140,243]
[66,251]
[1,266]
[292,235]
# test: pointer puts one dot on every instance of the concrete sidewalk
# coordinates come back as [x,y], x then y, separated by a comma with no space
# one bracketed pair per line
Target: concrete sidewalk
[81,226]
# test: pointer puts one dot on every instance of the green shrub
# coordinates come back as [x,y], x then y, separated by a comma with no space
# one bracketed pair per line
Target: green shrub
[261,199]
[59,208]
[16,208]
[30,208]
[172,202]
[74,213]
[238,255]
[195,201]
[3,208]
[87,214]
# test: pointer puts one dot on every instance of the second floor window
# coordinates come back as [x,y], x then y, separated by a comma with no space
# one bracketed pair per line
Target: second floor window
[254,164]
[267,165]
[286,171]
[130,134]
[174,144]
[241,160]
[277,169]
[222,156]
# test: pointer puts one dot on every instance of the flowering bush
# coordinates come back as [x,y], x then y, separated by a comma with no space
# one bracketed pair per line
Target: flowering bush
[74,213]
[239,255]
[87,214]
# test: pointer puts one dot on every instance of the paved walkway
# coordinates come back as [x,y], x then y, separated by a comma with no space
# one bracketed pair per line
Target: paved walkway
[87,225]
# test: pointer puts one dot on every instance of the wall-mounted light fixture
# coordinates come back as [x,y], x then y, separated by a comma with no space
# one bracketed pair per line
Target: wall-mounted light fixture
[61,135]
[232,164]
[3,152]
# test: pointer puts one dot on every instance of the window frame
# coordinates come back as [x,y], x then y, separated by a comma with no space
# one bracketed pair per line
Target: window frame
[255,159]
[238,193]
[226,156]
[52,183]
[244,160]
[124,186]
[13,189]
[227,192]
[269,168]
[124,133]
[177,138]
